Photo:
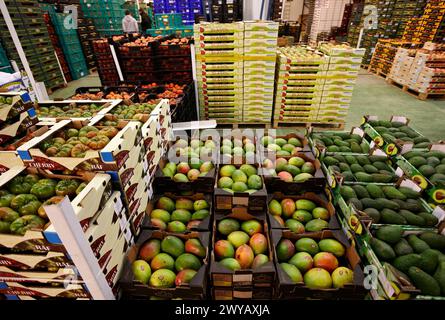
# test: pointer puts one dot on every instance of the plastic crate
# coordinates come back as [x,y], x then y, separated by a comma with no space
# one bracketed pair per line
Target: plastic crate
[79,70]
[168,20]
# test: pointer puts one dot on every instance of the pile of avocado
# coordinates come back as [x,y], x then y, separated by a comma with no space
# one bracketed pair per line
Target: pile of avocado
[392,131]
[388,204]
[420,257]
[340,142]
[361,168]
[430,164]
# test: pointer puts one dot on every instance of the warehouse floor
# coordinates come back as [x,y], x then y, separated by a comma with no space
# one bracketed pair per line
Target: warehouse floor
[372,95]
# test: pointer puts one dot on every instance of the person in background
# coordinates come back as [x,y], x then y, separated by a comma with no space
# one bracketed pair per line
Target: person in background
[151,14]
[145,20]
[129,24]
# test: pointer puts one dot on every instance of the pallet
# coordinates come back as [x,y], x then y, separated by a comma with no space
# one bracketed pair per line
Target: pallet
[239,125]
[419,95]
[318,125]
[377,72]
[55,88]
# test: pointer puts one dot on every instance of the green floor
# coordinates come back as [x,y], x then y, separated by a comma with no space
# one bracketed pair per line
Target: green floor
[372,95]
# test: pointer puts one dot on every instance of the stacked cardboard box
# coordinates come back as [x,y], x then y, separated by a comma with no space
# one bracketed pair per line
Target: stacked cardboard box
[219,59]
[421,70]
[260,44]
[299,84]
[425,27]
[341,74]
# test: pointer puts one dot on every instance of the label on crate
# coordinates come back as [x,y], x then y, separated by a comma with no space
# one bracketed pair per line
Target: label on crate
[439,213]
[118,205]
[385,283]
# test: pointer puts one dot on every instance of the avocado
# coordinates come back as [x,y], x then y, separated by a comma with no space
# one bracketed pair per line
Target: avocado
[347,192]
[355,168]
[412,218]
[360,191]
[439,276]
[327,141]
[392,193]
[429,260]
[413,206]
[341,143]
[348,176]
[381,166]
[330,161]
[333,148]
[364,146]
[345,149]
[374,214]
[409,193]
[434,240]
[403,263]
[363,160]
[417,244]
[388,204]
[421,139]
[422,145]
[389,234]
[375,191]
[371,203]
[385,123]
[402,248]
[430,220]
[356,202]
[356,138]
[344,167]
[438,178]
[339,157]
[382,249]
[440,168]
[363,177]
[389,216]
[412,154]
[424,282]
[355,147]
[401,203]
[350,159]
[369,168]
[417,162]
[435,153]
[382,177]
[389,138]
[427,170]
[433,161]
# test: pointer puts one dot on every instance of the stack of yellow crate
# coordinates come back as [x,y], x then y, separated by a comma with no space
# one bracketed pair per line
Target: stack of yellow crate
[219,68]
[300,79]
[260,45]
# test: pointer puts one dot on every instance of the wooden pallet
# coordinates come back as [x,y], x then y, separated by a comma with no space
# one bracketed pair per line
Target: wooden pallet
[320,125]
[239,125]
[419,95]
[55,88]
[378,72]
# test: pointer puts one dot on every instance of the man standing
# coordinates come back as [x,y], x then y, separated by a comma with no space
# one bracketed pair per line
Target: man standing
[129,24]
[145,20]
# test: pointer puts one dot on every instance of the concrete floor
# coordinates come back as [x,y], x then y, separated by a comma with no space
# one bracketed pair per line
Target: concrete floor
[372,96]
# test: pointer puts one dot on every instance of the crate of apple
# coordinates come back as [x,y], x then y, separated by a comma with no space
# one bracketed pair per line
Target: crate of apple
[175,213]
[294,175]
[322,265]
[166,265]
[308,212]
[241,245]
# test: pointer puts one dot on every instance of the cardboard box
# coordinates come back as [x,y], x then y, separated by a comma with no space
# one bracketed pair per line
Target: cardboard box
[19,103]
[25,121]
[196,289]
[70,291]
[111,157]
[51,261]
[8,160]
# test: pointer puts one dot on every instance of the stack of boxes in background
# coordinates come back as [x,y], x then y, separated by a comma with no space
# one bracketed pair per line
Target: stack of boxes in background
[425,27]
[421,70]
[341,73]
[225,10]
[57,47]
[187,9]
[33,34]
[219,70]
[106,14]
[87,33]
[69,40]
[277,9]
[384,54]
[299,85]
[260,45]
[105,63]
[5,66]
[170,23]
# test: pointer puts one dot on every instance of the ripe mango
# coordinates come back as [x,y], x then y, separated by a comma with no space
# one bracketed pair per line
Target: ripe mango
[258,243]
[185,204]
[158,224]
[230,263]
[195,247]
[181,215]
[292,271]
[162,261]
[333,246]
[285,250]
[342,276]
[288,206]
[321,213]
[302,260]
[307,245]
[325,260]
[248,169]
[173,246]
[259,261]
[251,227]
[275,208]
[302,216]
[296,161]
[280,164]
[187,261]
[244,255]
[318,278]
[166,204]
[163,278]
[224,249]
[184,277]
[295,226]
[160,214]
[176,226]
[227,226]
[150,249]
[238,238]
[304,204]
[227,170]
[285,176]
[141,271]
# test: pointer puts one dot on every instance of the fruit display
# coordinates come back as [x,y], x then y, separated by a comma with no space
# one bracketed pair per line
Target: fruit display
[388,204]
[22,200]
[361,168]
[76,143]
[392,134]
[239,178]
[180,214]
[167,265]
[339,142]
[284,146]
[70,110]
[418,257]
[325,261]
[298,169]
[12,104]
[135,111]
[426,164]
[237,147]
[142,41]
[186,172]
[306,213]
[101,95]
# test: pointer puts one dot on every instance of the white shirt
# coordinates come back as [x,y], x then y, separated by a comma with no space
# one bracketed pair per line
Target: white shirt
[129,24]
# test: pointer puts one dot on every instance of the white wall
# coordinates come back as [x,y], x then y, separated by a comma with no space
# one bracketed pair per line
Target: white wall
[252,9]
[292,10]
